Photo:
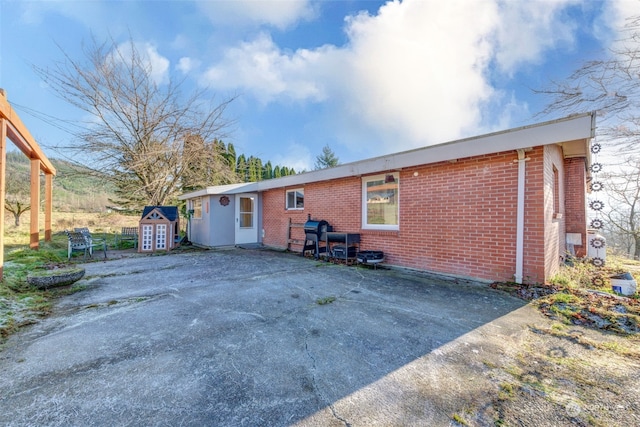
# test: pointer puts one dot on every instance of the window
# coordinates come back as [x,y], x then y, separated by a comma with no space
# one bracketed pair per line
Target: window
[246,212]
[381,202]
[196,207]
[295,199]
[556,194]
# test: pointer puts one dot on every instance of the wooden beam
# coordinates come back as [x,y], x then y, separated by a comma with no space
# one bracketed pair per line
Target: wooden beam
[35,204]
[13,129]
[48,205]
[17,132]
[3,174]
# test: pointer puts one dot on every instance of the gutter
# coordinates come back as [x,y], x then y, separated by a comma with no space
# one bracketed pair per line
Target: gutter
[520,216]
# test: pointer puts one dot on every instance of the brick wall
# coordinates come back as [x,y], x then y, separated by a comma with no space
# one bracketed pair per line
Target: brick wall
[575,204]
[336,201]
[554,209]
[455,217]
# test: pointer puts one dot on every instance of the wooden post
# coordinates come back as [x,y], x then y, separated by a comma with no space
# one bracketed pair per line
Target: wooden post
[48,205]
[35,204]
[3,174]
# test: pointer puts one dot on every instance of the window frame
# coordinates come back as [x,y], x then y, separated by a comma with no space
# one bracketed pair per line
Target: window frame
[380,177]
[197,210]
[557,211]
[286,199]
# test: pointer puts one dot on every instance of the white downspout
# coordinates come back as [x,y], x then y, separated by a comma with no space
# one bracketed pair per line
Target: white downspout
[520,216]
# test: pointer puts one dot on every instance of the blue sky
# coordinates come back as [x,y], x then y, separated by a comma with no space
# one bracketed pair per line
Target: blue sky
[365,77]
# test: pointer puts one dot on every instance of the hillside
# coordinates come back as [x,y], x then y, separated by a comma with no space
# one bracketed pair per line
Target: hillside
[78,189]
[74,190]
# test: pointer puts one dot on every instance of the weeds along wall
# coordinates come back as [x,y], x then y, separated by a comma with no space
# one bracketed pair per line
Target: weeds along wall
[456,217]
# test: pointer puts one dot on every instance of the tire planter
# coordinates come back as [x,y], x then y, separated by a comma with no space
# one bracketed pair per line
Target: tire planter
[54,278]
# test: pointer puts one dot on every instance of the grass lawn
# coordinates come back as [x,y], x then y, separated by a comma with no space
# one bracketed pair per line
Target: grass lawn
[20,303]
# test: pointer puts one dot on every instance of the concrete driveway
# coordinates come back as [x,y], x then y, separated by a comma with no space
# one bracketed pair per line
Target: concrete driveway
[254,338]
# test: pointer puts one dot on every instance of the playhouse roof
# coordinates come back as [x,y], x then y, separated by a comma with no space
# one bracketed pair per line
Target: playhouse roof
[169,212]
[573,133]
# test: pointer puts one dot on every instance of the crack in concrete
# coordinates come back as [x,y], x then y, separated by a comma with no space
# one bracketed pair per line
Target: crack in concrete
[317,387]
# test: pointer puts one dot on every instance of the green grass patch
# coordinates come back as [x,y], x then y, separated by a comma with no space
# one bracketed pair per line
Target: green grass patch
[325,300]
[507,391]
[460,420]
[21,303]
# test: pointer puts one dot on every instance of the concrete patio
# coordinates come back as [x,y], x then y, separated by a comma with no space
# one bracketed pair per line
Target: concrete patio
[253,337]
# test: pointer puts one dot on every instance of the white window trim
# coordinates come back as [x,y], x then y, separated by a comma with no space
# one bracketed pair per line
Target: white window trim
[193,201]
[286,199]
[387,227]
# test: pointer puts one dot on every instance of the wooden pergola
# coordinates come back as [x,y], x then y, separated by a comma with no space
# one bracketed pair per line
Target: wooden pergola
[12,129]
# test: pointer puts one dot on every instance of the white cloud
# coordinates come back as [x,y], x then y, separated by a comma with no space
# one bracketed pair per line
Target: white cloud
[416,73]
[298,157]
[241,13]
[262,69]
[157,64]
[616,12]
[610,27]
[526,29]
[417,68]
[186,64]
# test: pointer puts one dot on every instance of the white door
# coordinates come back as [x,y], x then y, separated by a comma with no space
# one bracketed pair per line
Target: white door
[246,218]
[147,237]
[161,236]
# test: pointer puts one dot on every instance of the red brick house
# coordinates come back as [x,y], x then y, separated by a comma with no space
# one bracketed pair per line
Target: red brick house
[499,206]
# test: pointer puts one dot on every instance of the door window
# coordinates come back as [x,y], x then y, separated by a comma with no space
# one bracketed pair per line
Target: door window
[246,212]
[161,236]
[147,237]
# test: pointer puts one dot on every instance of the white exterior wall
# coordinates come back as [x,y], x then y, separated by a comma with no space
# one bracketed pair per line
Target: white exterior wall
[216,227]
[222,221]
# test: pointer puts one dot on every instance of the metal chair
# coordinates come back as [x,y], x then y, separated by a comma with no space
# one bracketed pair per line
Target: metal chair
[81,239]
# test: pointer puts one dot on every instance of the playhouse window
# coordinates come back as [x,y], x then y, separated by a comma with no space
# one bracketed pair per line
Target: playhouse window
[196,206]
[295,199]
[381,202]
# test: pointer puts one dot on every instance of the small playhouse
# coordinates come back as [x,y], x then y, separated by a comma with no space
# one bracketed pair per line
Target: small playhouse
[159,229]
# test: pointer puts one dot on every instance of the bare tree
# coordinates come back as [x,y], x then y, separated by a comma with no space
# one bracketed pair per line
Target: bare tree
[611,86]
[141,132]
[17,187]
[17,200]
[623,190]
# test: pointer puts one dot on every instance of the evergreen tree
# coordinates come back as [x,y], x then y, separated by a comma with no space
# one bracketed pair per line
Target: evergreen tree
[267,171]
[241,168]
[230,155]
[327,159]
[253,169]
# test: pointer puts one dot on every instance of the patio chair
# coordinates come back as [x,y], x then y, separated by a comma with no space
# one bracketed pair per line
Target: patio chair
[128,233]
[77,242]
[92,241]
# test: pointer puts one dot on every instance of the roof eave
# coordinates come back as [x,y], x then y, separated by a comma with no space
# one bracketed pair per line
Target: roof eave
[579,127]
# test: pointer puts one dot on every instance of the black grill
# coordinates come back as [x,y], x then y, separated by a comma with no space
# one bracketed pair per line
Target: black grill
[314,231]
